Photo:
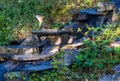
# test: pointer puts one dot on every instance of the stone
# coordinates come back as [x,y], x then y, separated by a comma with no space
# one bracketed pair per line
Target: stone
[79,16]
[19,49]
[31,57]
[7,67]
[39,68]
[92,11]
[105,6]
[72,27]
[111,77]
[114,77]
[69,57]
[116,68]
[50,32]
[31,40]
[106,78]
[50,49]
[97,20]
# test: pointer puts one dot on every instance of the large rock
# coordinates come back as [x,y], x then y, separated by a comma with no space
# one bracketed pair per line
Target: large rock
[19,49]
[69,57]
[31,57]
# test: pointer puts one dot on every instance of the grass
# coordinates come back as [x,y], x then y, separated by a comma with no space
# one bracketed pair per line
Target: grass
[17,16]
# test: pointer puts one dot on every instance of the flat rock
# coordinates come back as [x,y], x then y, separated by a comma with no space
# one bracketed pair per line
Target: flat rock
[92,11]
[19,49]
[31,57]
[50,32]
[39,68]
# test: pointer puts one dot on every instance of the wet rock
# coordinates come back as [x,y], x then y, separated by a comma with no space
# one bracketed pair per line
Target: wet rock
[69,57]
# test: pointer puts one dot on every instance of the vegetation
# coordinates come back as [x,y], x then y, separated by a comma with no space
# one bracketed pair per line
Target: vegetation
[98,57]
[17,20]
[17,16]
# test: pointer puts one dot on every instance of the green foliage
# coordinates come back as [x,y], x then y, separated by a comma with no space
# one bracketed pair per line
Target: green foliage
[98,54]
[17,16]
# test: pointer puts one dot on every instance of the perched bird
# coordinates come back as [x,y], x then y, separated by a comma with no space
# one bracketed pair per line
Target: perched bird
[40,19]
